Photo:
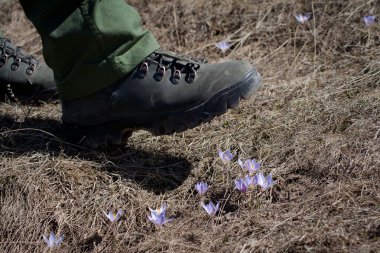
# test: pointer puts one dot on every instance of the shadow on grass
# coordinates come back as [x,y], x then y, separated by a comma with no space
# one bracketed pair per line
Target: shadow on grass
[155,172]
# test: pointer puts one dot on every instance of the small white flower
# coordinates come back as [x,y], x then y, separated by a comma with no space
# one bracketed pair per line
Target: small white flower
[53,241]
[249,165]
[225,156]
[223,45]
[303,18]
[210,208]
[264,182]
[158,216]
[112,217]
[201,188]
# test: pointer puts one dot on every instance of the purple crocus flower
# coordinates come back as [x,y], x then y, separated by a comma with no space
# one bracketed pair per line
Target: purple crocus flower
[369,20]
[223,45]
[112,217]
[242,185]
[53,241]
[210,208]
[226,156]
[201,188]
[249,165]
[249,180]
[303,17]
[264,182]
[158,216]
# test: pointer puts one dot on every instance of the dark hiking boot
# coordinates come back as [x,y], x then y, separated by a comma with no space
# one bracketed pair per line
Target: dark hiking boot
[23,74]
[165,94]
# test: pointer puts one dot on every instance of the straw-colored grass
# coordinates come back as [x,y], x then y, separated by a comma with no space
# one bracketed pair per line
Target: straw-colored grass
[315,125]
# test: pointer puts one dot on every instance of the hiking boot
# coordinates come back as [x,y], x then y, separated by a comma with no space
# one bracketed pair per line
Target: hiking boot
[23,74]
[166,93]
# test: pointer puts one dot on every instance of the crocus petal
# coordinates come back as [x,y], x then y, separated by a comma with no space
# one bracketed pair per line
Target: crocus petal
[119,214]
[369,20]
[229,155]
[46,239]
[217,207]
[249,180]
[59,241]
[151,219]
[167,220]
[51,239]
[255,165]
[109,216]
[238,184]
[221,154]
[260,179]
[240,162]
[206,207]
[241,185]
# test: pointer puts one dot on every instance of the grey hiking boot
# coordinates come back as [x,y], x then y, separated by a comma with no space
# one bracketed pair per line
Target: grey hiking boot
[23,74]
[165,94]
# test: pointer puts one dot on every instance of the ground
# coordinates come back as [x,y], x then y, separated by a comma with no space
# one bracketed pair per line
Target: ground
[315,124]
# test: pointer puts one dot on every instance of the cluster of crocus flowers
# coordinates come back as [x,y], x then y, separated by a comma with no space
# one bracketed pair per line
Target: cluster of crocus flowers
[249,165]
[53,241]
[251,180]
[158,216]
[210,208]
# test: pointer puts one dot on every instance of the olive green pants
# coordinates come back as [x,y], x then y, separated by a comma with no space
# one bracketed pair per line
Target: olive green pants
[89,44]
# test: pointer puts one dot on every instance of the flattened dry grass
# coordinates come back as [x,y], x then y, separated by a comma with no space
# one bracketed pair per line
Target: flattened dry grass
[315,124]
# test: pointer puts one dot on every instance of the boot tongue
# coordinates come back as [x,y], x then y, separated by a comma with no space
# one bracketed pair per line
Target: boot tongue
[181,59]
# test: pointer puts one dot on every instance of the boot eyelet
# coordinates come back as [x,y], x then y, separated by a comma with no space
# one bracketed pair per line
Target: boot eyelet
[31,69]
[143,71]
[176,76]
[3,60]
[15,64]
[191,76]
[160,73]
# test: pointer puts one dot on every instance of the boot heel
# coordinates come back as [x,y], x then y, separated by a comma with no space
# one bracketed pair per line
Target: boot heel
[99,137]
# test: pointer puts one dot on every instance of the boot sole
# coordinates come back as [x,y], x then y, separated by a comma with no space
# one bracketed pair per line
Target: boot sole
[117,133]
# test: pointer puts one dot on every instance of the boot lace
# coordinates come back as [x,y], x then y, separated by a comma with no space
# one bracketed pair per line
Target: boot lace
[178,64]
[8,50]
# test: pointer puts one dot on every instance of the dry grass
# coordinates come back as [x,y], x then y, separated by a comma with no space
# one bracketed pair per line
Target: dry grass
[315,124]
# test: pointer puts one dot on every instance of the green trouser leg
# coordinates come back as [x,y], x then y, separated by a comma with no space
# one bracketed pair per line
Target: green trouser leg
[89,44]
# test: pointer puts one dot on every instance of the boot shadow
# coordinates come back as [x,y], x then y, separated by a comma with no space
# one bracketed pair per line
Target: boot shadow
[154,172]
